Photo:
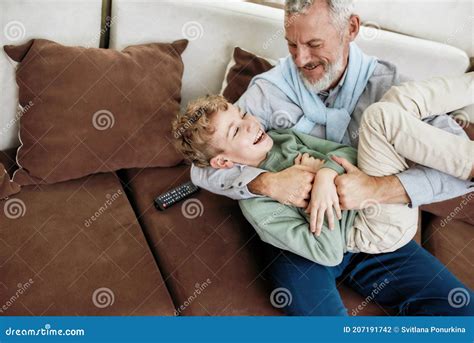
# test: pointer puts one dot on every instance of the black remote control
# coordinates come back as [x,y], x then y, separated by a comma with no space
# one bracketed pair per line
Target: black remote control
[171,197]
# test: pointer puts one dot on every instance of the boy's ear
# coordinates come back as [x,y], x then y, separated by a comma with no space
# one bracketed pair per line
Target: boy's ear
[220,162]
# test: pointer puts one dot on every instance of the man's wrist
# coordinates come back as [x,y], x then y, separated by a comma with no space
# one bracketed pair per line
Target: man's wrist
[261,184]
[389,190]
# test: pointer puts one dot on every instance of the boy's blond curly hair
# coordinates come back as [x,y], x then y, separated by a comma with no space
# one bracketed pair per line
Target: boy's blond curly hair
[192,129]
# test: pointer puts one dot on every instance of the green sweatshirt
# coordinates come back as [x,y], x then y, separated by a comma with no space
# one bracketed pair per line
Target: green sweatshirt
[287,227]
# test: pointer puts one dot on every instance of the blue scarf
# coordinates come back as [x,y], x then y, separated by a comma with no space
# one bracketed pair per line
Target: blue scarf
[285,76]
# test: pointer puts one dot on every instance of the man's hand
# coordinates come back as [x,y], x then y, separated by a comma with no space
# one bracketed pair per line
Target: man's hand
[291,186]
[323,199]
[355,187]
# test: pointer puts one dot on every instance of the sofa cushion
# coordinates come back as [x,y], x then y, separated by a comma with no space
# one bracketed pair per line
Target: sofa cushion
[243,66]
[450,240]
[206,238]
[76,248]
[95,110]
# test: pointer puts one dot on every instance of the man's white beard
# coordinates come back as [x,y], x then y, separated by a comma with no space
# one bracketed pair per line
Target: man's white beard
[330,75]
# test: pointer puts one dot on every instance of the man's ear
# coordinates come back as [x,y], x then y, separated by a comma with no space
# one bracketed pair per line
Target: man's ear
[220,162]
[354,26]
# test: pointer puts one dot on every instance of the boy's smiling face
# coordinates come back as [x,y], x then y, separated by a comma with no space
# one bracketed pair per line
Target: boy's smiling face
[241,137]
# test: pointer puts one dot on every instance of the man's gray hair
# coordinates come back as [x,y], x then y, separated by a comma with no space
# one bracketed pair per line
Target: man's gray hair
[339,10]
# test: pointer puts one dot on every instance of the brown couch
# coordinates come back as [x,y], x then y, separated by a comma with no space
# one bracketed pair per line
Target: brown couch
[69,254]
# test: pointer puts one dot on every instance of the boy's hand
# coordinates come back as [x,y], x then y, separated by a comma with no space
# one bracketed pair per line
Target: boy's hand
[309,161]
[323,199]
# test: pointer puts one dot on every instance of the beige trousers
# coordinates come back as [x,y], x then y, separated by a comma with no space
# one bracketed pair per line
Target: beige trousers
[391,132]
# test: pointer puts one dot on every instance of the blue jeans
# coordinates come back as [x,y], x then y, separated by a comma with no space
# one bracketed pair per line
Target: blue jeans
[410,280]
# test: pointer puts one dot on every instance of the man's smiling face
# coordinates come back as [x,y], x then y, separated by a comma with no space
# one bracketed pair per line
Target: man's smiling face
[241,136]
[318,48]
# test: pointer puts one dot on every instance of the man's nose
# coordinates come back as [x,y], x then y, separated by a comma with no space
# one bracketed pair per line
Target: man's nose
[302,56]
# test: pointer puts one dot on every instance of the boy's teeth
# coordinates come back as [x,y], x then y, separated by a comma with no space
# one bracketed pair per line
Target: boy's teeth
[259,135]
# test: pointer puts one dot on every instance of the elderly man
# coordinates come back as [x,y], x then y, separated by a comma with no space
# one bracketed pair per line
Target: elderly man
[322,89]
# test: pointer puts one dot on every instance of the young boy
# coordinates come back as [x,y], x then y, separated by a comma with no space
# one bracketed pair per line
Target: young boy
[216,133]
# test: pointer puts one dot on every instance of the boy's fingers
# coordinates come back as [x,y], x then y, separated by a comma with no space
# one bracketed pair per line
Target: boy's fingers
[337,207]
[298,159]
[312,220]
[319,223]
[330,216]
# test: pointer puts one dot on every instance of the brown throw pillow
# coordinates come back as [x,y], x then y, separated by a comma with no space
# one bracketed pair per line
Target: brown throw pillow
[88,110]
[246,66]
[7,187]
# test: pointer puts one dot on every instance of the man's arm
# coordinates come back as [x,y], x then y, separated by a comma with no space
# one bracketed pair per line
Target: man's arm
[284,227]
[231,183]
[418,185]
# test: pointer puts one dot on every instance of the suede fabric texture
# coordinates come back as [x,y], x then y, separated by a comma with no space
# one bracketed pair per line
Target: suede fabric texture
[451,242]
[246,66]
[76,248]
[89,110]
[207,237]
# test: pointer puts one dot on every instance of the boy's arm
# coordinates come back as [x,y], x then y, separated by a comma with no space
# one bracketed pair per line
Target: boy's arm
[284,227]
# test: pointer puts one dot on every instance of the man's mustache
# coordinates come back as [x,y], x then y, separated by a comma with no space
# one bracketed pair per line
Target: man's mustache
[311,65]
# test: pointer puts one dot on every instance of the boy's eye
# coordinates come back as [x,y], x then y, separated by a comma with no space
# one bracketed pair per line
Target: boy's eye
[243,116]
[236,130]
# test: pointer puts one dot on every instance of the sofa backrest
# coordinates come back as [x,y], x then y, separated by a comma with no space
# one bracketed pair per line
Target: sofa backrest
[215,28]
[449,21]
[73,22]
